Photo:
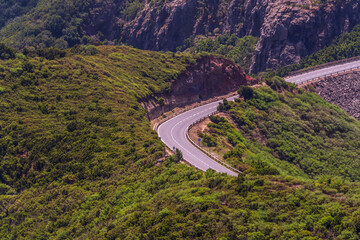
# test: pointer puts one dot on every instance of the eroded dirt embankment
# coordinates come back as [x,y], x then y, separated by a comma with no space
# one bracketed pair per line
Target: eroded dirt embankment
[207,78]
[342,90]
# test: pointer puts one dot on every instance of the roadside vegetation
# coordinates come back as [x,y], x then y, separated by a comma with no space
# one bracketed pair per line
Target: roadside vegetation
[286,130]
[78,158]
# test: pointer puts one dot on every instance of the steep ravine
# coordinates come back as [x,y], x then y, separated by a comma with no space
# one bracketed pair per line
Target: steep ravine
[209,77]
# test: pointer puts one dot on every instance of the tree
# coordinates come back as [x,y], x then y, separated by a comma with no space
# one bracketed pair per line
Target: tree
[246,92]
[225,106]
[178,155]
[71,35]
[6,52]
[55,24]
[161,102]
[5,203]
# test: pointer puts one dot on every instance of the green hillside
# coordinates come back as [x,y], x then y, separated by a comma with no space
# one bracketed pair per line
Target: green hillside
[46,24]
[292,131]
[10,9]
[78,158]
[74,116]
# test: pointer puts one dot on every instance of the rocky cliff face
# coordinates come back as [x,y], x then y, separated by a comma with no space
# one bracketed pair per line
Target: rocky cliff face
[293,29]
[164,25]
[288,29]
[208,77]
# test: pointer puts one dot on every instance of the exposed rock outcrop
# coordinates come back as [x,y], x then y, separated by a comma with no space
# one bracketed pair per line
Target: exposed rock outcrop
[343,90]
[208,77]
[294,29]
[165,25]
[288,29]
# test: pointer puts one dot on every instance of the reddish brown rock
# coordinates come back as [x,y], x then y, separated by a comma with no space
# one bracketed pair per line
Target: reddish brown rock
[209,77]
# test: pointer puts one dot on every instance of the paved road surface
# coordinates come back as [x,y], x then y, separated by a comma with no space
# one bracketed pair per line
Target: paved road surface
[173,134]
[322,72]
[173,131]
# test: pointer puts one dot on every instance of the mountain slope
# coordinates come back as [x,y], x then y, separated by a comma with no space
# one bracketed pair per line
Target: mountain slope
[78,160]
[66,116]
[10,9]
[288,30]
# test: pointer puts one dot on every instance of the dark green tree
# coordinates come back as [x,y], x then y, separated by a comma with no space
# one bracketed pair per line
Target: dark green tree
[246,92]
[55,24]
[6,52]
[178,155]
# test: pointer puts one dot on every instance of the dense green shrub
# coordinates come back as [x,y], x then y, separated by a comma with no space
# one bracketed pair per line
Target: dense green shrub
[209,140]
[6,52]
[178,156]
[55,24]
[246,92]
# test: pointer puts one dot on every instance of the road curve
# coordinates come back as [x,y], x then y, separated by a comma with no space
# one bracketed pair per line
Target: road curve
[173,134]
[173,131]
[298,79]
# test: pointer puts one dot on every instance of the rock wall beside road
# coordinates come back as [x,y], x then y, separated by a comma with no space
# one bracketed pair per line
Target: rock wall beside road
[342,90]
[209,77]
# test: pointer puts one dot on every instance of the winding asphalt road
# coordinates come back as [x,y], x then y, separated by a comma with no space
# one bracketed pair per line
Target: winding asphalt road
[173,132]
[298,79]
